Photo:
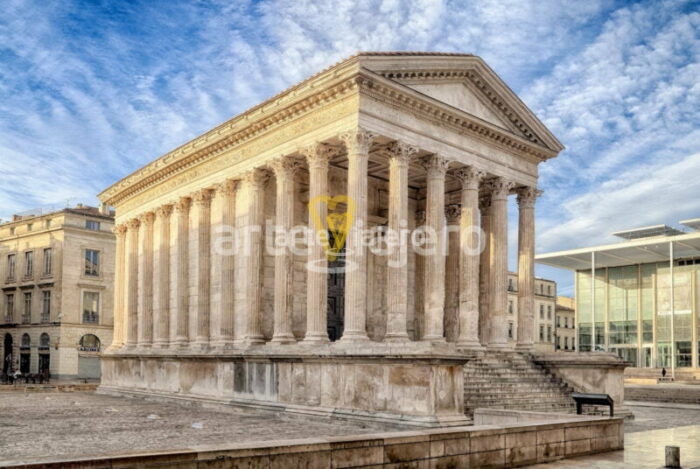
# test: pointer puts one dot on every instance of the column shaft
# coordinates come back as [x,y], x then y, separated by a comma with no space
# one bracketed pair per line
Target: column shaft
[526,267]
[452,267]
[119,287]
[161,306]
[284,169]
[202,201]
[358,144]
[484,269]
[255,181]
[397,270]
[132,289]
[434,291]
[182,239]
[470,250]
[226,259]
[498,270]
[145,329]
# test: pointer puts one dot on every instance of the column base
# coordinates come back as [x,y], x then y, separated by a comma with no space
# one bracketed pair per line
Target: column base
[524,348]
[200,345]
[222,344]
[469,344]
[499,347]
[287,338]
[354,336]
[434,339]
[315,338]
[180,342]
[250,341]
[161,344]
[396,338]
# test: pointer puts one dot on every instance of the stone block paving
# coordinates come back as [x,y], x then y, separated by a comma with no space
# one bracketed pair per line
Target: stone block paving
[36,426]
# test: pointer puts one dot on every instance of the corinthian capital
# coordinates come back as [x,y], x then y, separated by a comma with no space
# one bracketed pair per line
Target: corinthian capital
[164,211]
[284,167]
[435,165]
[146,219]
[183,204]
[452,213]
[399,152]
[120,229]
[527,196]
[358,140]
[499,188]
[470,177]
[257,177]
[133,224]
[203,197]
[228,187]
[319,154]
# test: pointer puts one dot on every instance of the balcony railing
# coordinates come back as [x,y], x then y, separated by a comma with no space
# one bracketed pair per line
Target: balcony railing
[45,317]
[9,319]
[26,319]
[91,318]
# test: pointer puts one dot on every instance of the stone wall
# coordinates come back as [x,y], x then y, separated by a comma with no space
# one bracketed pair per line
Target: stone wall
[483,447]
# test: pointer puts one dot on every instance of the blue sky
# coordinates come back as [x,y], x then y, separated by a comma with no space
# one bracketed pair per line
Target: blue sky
[91,91]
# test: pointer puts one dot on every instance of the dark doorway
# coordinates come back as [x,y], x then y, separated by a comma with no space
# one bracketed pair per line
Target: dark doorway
[44,363]
[7,355]
[336,292]
[24,363]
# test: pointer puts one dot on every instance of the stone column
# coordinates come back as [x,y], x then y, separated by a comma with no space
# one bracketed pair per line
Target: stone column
[419,286]
[182,280]
[434,290]
[397,269]
[145,329]
[202,200]
[318,157]
[132,287]
[484,269]
[161,307]
[358,143]
[470,242]
[452,265]
[498,269]
[226,259]
[526,267]
[284,169]
[255,182]
[119,287]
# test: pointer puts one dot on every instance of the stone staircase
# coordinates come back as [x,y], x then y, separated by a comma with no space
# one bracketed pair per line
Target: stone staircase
[510,380]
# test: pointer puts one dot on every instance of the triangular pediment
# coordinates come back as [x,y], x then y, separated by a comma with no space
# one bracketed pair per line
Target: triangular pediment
[466,83]
[459,96]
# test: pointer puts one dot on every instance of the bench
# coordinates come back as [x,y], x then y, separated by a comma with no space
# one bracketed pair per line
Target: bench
[592,399]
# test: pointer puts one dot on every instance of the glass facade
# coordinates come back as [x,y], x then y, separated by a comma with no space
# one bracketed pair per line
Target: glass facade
[640,314]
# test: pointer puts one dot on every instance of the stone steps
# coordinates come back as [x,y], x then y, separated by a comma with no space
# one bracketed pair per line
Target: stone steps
[512,381]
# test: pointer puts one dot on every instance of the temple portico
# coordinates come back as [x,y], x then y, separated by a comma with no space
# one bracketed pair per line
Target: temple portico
[339,248]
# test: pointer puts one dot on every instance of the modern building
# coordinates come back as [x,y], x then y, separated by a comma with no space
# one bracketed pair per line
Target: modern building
[639,298]
[566,324]
[544,333]
[57,276]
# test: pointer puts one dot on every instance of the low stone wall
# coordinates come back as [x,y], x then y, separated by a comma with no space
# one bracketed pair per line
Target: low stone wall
[485,416]
[415,389]
[479,446]
[677,393]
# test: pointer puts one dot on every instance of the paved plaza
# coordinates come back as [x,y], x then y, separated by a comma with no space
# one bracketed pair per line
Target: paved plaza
[50,425]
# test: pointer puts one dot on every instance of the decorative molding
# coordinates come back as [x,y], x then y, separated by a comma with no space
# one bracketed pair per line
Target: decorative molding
[357,141]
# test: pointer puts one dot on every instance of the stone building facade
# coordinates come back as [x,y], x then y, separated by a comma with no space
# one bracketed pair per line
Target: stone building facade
[544,331]
[336,248]
[566,324]
[56,274]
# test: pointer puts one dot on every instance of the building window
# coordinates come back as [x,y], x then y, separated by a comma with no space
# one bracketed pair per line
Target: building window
[12,231]
[541,333]
[510,307]
[47,224]
[30,226]
[26,342]
[89,343]
[44,341]
[549,311]
[27,316]
[48,261]
[92,225]
[549,290]
[566,322]
[91,303]
[558,321]
[92,262]
[573,345]
[510,329]
[9,307]
[566,343]
[549,333]
[541,289]
[510,284]
[541,311]
[11,264]
[46,306]
[558,342]
[28,263]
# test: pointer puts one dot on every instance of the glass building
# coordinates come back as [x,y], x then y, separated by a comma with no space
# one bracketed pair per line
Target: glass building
[639,298]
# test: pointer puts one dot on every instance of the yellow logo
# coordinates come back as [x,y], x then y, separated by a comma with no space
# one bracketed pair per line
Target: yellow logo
[338,223]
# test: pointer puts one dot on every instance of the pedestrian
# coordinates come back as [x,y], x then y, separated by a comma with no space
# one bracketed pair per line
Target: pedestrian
[663,372]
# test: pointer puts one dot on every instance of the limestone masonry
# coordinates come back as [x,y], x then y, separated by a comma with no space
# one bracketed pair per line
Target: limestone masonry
[340,249]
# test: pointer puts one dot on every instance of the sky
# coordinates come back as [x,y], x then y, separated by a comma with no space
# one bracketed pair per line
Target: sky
[90,91]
